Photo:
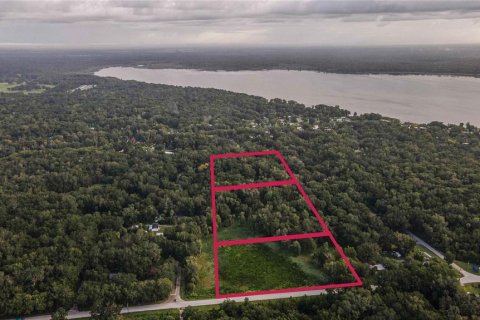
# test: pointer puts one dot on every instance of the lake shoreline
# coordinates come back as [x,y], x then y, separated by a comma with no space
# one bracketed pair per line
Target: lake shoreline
[389,73]
[416,98]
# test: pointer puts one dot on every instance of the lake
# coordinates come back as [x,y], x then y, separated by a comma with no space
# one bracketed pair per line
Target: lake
[415,98]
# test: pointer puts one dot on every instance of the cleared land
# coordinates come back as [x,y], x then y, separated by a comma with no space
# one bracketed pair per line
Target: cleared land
[282,263]
[205,287]
[10,88]
[277,265]
[5,87]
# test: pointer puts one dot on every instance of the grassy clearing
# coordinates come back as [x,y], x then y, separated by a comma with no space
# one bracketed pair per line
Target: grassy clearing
[254,267]
[236,231]
[5,87]
[306,265]
[9,88]
[205,288]
[466,266]
[422,248]
[261,267]
[472,288]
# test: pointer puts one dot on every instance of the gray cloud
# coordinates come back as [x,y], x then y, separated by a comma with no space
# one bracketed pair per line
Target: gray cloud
[261,11]
[263,22]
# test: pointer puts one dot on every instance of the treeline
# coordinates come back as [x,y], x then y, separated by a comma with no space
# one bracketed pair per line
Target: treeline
[268,211]
[83,172]
[29,65]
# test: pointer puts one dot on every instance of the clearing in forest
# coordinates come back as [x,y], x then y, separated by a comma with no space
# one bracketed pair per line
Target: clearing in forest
[267,235]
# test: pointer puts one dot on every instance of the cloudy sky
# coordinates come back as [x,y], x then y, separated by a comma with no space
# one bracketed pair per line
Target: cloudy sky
[169,23]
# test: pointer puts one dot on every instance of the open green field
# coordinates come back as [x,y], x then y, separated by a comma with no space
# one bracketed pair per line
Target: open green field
[9,88]
[205,288]
[4,87]
[257,267]
[236,231]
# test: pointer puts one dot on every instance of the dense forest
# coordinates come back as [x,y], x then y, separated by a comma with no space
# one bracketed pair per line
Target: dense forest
[453,59]
[84,173]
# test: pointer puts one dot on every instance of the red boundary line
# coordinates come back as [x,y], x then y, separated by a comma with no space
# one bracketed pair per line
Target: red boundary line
[227,243]
[254,185]
[311,288]
[294,180]
[244,154]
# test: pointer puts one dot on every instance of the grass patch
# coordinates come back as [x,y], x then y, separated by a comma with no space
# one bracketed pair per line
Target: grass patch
[422,248]
[10,88]
[5,87]
[236,231]
[466,266]
[306,265]
[259,267]
[205,288]
[472,288]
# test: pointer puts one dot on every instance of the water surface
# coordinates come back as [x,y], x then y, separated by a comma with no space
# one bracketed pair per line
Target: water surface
[415,98]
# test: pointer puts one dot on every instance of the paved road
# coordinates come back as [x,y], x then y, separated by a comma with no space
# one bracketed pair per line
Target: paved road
[467,276]
[180,304]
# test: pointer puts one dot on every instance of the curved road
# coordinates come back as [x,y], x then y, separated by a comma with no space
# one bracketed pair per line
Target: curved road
[467,276]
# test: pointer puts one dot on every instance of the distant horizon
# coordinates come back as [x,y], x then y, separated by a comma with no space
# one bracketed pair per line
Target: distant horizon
[221,46]
[119,24]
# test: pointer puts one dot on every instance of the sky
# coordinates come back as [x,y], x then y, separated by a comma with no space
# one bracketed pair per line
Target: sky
[143,23]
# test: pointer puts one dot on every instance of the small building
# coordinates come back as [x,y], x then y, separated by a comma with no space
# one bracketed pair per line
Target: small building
[397,254]
[379,267]
[427,256]
[154,227]
[113,275]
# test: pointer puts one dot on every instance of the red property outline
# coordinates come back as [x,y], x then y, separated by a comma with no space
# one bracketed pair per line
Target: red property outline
[292,181]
